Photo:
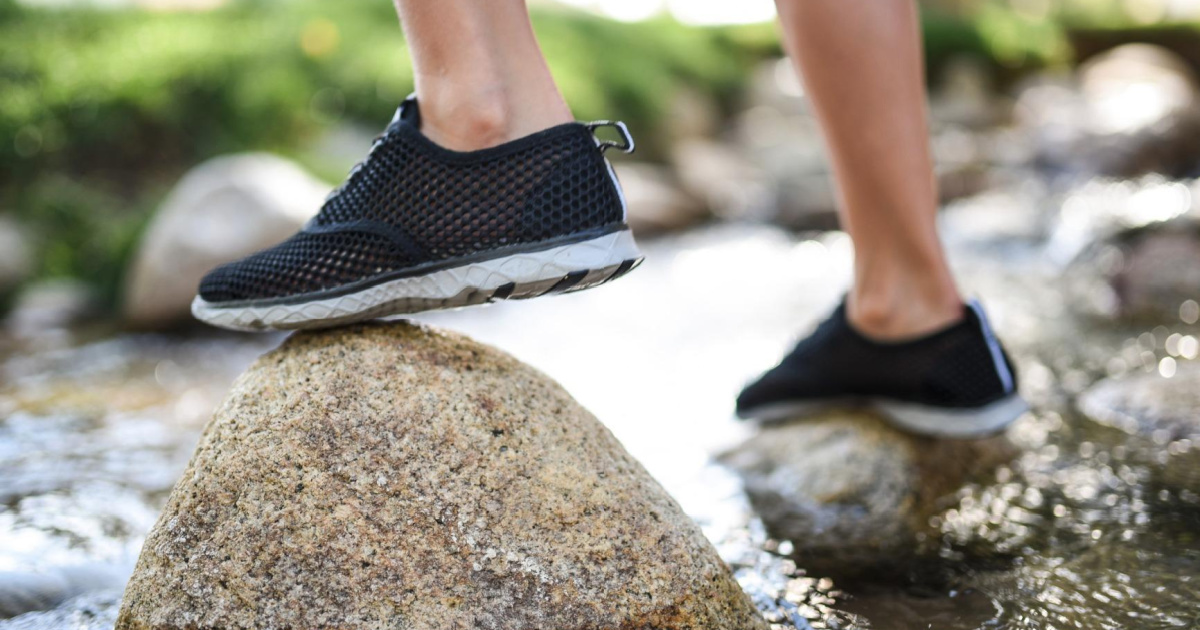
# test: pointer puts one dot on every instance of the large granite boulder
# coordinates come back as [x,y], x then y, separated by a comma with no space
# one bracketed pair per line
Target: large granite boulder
[222,210]
[393,476]
[852,494]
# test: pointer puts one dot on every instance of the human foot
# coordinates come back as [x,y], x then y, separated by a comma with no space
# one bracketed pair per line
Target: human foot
[955,382]
[417,227]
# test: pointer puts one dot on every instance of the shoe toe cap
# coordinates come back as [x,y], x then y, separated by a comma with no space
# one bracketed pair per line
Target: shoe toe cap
[218,285]
[764,391]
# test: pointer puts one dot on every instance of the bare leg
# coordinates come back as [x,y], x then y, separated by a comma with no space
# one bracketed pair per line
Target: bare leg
[861,66]
[481,78]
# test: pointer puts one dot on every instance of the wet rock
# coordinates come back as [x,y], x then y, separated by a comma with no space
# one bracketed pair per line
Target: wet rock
[49,305]
[394,476]
[93,611]
[1136,86]
[1131,110]
[1158,270]
[1162,411]
[222,210]
[1149,404]
[656,202]
[1142,273]
[1147,576]
[723,179]
[23,592]
[851,493]
[1103,208]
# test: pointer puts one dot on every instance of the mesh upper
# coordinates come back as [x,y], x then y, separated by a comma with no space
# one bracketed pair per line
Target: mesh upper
[304,263]
[411,202]
[953,367]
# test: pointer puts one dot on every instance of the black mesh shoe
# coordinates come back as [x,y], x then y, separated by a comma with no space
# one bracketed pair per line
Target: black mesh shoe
[417,227]
[957,382]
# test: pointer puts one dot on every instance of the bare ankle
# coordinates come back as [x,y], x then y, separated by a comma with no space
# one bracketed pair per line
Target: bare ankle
[465,124]
[903,314]
[486,118]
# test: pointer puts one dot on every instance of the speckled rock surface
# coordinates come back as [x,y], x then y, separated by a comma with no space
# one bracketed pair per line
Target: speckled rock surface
[850,492]
[393,476]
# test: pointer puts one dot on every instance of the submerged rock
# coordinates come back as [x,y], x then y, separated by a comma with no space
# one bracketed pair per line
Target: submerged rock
[22,592]
[390,475]
[222,210]
[1148,403]
[851,493]
[91,611]
[1163,412]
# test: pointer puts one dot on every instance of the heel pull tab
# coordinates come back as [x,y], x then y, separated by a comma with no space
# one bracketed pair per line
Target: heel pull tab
[626,145]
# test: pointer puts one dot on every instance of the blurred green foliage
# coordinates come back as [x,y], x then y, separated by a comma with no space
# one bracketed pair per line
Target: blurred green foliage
[101,110]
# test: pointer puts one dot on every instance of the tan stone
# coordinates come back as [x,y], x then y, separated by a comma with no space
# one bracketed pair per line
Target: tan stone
[394,476]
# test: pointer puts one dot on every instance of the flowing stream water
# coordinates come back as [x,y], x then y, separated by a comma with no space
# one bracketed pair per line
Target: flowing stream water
[1078,532]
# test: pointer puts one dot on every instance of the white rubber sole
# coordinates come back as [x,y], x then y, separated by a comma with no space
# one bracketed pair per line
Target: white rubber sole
[564,268]
[912,417]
